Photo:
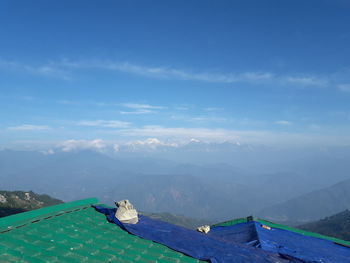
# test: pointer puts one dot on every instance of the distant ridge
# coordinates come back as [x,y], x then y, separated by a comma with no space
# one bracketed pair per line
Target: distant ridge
[312,206]
[337,225]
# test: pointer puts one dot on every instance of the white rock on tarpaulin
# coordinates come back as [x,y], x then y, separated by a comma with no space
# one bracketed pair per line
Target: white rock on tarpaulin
[126,213]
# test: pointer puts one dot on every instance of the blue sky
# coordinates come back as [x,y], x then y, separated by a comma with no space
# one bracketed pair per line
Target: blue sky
[266,72]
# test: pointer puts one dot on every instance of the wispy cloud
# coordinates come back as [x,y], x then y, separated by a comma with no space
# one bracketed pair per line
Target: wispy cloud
[203,116]
[182,134]
[50,69]
[314,126]
[171,73]
[137,112]
[344,87]
[73,145]
[29,127]
[141,106]
[200,119]
[152,143]
[213,109]
[208,119]
[69,102]
[65,69]
[204,76]
[104,123]
[28,98]
[307,81]
[130,108]
[182,108]
[87,103]
[283,122]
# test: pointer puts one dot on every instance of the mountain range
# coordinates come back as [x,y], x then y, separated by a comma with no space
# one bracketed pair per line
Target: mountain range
[213,190]
[311,206]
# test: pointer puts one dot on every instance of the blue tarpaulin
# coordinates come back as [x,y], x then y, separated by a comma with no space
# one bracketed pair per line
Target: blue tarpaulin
[245,242]
[283,242]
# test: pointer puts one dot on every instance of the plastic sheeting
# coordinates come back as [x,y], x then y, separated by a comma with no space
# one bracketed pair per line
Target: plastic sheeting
[283,242]
[307,248]
[196,244]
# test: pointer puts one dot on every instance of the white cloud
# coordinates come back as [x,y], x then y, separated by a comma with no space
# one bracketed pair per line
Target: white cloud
[28,98]
[73,145]
[65,69]
[260,137]
[182,108]
[217,77]
[141,106]
[284,123]
[48,152]
[29,127]
[213,109]
[171,73]
[206,76]
[105,123]
[200,118]
[49,69]
[151,143]
[344,87]
[180,133]
[307,81]
[314,126]
[68,102]
[116,147]
[208,119]
[141,111]
[149,137]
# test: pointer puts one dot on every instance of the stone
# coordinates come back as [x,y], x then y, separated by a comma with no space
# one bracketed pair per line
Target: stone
[204,229]
[126,213]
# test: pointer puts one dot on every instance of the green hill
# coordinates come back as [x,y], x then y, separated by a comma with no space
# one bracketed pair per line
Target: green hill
[337,226]
[13,202]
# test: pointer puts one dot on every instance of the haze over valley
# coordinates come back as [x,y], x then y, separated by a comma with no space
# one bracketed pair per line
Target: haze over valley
[293,190]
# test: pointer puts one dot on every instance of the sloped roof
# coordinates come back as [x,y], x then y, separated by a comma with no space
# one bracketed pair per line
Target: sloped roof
[75,232]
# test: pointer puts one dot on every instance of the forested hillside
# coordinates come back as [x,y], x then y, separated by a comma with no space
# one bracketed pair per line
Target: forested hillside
[336,226]
[13,202]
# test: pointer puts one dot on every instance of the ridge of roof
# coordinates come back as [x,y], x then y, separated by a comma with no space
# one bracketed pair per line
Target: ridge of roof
[9,222]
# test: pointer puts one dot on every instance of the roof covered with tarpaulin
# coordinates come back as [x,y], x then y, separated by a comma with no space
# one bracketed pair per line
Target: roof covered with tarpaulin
[76,232]
[244,240]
